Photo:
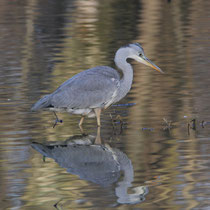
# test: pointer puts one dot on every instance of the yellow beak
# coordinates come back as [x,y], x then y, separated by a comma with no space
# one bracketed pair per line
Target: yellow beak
[148,62]
[143,59]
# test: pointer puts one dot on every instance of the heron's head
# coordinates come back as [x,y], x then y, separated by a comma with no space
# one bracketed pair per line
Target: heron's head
[136,52]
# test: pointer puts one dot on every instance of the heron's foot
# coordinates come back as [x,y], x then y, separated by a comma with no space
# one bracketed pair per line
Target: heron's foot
[191,125]
[117,120]
[57,120]
[118,117]
[168,124]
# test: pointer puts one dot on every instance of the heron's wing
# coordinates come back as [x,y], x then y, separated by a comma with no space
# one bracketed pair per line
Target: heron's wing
[89,89]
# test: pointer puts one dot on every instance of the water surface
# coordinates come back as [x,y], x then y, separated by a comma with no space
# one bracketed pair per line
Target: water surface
[158,158]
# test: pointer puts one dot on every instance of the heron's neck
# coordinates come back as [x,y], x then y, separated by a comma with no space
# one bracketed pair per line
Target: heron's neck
[127,78]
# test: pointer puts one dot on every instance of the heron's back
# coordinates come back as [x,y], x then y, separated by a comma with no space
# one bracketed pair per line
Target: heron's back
[88,89]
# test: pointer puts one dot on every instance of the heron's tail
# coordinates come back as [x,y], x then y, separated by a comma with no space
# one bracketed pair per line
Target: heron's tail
[42,103]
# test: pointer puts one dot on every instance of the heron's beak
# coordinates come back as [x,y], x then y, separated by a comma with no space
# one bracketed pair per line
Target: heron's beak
[148,62]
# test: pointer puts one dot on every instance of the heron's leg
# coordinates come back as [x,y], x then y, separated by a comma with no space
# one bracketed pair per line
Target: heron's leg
[56,120]
[98,136]
[80,124]
[98,116]
[81,121]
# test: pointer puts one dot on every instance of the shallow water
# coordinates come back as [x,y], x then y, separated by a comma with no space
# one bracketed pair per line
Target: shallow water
[158,158]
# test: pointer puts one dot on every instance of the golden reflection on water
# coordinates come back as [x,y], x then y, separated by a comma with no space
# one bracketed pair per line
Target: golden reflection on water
[44,44]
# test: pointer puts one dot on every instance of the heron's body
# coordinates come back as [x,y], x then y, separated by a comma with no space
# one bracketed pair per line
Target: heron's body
[73,96]
[92,90]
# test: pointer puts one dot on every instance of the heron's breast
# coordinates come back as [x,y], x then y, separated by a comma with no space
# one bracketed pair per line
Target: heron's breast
[113,97]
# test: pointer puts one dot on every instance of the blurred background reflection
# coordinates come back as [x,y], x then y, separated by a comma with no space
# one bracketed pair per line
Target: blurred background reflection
[43,43]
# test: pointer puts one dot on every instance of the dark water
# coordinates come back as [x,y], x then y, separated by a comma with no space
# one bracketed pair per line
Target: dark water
[146,162]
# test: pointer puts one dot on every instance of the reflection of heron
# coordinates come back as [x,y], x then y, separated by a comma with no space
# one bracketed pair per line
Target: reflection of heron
[90,91]
[99,164]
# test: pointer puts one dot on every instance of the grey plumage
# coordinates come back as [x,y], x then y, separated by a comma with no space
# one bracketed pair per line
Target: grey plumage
[85,89]
[96,88]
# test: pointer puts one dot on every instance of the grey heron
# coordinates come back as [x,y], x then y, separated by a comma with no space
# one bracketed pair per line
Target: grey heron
[93,90]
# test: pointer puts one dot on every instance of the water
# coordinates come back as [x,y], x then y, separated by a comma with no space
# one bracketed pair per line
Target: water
[146,162]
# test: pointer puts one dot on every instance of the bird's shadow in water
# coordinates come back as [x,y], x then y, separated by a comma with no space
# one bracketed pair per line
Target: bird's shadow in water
[97,163]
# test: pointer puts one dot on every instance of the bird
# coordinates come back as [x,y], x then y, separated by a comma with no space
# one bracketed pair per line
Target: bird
[90,92]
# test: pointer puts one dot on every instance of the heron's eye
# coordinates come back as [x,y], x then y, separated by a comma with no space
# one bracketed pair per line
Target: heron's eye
[140,54]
